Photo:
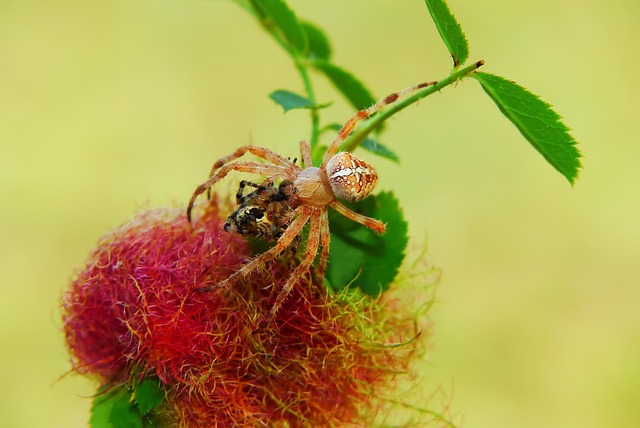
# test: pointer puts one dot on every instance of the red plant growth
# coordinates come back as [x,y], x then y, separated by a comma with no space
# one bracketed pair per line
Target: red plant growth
[135,310]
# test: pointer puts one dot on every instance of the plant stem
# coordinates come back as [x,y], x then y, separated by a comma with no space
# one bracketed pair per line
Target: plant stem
[299,62]
[308,87]
[358,136]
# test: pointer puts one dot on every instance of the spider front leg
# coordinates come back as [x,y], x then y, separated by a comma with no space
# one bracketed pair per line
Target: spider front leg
[261,152]
[350,124]
[246,166]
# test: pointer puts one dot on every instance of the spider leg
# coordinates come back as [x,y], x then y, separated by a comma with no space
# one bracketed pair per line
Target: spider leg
[325,241]
[371,223]
[261,152]
[313,243]
[246,166]
[349,126]
[287,237]
[305,149]
[241,198]
[240,194]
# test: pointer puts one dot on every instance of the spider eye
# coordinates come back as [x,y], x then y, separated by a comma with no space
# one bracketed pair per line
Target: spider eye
[350,177]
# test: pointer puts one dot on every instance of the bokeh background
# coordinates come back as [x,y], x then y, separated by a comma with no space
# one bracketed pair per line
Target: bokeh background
[107,108]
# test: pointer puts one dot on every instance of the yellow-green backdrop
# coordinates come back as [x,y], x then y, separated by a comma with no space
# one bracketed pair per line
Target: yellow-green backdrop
[110,107]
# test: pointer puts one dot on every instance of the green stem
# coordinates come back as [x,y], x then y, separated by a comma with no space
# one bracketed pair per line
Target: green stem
[308,87]
[300,64]
[361,133]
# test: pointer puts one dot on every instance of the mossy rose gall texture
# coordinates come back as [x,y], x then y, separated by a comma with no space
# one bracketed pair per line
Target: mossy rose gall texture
[136,310]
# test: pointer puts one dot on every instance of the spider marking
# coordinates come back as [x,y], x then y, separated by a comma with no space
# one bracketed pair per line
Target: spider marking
[341,175]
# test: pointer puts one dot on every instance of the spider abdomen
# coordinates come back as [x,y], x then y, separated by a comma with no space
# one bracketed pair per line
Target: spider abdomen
[350,177]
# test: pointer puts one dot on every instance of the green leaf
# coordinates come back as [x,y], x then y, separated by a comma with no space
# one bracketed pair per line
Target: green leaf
[352,89]
[361,258]
[148,395]
[449,30]
[101,410]
[289,100]
[285,20]
[113,409]
[125,415]
[319,47]
[537,122]
[379,149]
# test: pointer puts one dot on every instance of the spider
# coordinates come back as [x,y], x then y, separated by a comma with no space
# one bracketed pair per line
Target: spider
[341,175]
[265,213]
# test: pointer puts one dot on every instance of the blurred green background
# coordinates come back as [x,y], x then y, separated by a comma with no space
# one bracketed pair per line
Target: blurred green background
[110,107]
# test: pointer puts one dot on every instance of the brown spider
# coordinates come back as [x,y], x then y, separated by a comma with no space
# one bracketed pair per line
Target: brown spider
[341,175]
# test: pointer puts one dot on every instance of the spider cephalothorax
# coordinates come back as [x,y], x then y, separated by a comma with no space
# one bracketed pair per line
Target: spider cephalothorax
[310,191]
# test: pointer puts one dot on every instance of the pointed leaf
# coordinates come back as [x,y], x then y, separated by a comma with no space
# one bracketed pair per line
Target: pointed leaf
[125,415]
[286,21]
[379,149]
[319,46]
[148,395]
[347,84]
[101,410]
[113,409]
[361,258]
[289,100]
[537,122]
[449,30]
